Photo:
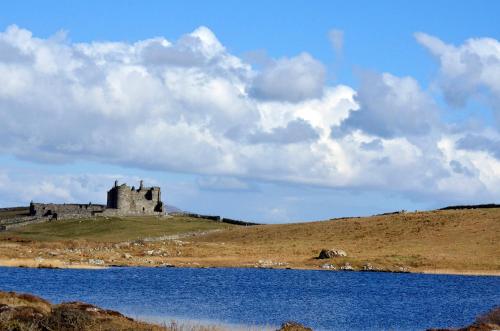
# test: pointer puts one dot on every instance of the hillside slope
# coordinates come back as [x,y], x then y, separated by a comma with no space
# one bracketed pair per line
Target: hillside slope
[444,241]
[435,240]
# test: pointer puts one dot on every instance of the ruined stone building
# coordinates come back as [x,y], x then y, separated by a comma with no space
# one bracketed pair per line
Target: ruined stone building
[126,200]
[122,200]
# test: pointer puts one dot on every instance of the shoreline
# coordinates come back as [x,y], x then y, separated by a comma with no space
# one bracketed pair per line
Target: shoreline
[456,242]
[58,264]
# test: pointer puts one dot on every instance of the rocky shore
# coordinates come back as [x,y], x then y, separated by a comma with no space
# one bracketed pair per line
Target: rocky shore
[29,312]
[489,321]
[26,312]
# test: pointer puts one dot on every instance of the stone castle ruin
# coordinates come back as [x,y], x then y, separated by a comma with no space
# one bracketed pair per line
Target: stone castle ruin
[122,200]
[125,200]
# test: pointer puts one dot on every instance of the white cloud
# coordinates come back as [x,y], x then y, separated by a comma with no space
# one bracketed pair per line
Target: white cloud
[295,79]
[220,183]
[391,106]
[28,185]
[469,70]
[191,106]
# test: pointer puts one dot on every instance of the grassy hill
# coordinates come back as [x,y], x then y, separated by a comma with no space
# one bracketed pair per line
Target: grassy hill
[6,213]
[448,241]
[444,240]
[112,229]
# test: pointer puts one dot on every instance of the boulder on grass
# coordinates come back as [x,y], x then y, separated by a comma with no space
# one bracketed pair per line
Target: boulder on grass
[331,253]
[293,326]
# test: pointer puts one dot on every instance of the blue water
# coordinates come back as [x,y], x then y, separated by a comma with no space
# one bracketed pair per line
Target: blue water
[323,300]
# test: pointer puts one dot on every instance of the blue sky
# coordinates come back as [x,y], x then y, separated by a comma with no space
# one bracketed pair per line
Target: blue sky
[378,34]
[252,110]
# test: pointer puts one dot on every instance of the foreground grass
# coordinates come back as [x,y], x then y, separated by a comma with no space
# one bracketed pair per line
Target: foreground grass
[25,312]
[449,241]
[112,229]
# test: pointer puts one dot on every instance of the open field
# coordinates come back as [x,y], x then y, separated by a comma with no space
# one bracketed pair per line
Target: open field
[431,241]
[6,213]
[112,229]
[447,241]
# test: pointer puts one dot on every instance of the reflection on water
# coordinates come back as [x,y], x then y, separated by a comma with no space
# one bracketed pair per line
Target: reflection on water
[324,300]
[193,323]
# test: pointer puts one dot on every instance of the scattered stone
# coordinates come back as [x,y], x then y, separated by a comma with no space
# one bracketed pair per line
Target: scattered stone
[347,267]
[368,267]
[127,256]
[328,266]
[269,264]
[121,245]
[331,253]
[403,269]
[96,261]
[293,326]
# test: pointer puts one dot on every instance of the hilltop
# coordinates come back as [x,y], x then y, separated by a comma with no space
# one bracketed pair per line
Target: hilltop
[443,241]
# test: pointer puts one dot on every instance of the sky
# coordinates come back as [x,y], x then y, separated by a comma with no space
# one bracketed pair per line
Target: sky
[264,111]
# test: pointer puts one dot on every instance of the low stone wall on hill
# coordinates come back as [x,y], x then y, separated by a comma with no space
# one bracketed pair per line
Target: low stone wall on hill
[488,205]
[64,210]
[215,218]
[19,221]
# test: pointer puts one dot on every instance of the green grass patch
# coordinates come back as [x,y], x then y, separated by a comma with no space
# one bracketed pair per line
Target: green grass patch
[112,229]
[6,213]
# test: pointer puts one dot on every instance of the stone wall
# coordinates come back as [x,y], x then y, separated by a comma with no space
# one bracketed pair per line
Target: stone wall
[65,210]
[215,218]
[19,221]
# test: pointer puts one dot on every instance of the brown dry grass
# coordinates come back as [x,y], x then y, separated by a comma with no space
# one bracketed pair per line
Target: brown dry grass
[452,241]
[26,312]
[13,299]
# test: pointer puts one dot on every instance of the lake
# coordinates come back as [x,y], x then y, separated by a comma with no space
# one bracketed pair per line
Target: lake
[324,300]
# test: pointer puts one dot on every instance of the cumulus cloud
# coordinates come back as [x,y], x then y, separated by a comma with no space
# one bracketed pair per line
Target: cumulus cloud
[391,106]
[191,106]
[469,70]
[474,142]
[220,183]
[295,131]
[459,168]
[374,145]
[29,185]
[290,79]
